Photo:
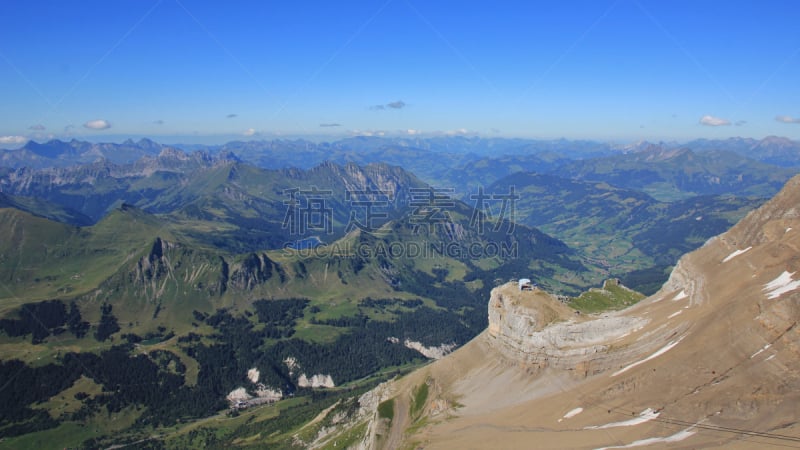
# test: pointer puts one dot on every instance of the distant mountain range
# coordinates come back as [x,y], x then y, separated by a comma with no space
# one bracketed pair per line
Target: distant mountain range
[56,153]
[665,170]
[680,172]
[625,209]
[305,154]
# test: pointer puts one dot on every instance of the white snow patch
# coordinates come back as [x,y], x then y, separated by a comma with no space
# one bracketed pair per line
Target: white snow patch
[781,285]
[253,375]
[735,254]
[572,413]
[782,280]
[761,350]
[393,340]
[789,229]
[677,437]
[658,353]
[644,416]
[770,357]
[681,295]
[316,381]
[675,314]
[430,352]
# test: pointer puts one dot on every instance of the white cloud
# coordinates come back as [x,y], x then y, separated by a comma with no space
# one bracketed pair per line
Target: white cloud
[13,139]
[37,127]
[787,119]
[249,132]
[712,121]
[458,132]
[98,124]
[413,132]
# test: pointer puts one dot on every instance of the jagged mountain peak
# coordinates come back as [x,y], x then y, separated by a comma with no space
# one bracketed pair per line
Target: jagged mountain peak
[777,140]
[173,153]
[658,153]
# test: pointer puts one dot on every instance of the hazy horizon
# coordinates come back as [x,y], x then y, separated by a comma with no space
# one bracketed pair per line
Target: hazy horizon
[217,140]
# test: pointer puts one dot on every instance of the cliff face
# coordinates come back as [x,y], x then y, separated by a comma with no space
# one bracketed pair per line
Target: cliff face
[176,272]
[253,271]
[533,328]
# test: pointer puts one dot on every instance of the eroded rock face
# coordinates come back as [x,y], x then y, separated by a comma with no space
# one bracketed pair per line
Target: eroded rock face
[315,381]
[430,352]
[534,328]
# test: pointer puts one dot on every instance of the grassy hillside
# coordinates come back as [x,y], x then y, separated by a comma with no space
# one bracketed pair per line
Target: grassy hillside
[622,230]
[155,328]
[44,259]
[671,174]
[42,208]
[613,295]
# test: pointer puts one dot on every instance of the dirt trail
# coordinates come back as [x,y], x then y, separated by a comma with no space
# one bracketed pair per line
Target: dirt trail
[399,423]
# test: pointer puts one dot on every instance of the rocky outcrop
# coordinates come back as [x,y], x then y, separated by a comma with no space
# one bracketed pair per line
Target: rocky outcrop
[316,381]
[531,327]
[431,352]
[153,269]
[252,271]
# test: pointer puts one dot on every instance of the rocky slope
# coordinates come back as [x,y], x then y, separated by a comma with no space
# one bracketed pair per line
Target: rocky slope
[711,360]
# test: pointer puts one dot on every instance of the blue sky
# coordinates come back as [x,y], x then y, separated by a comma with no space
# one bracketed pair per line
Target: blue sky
[191,71]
